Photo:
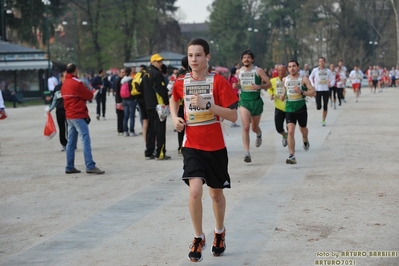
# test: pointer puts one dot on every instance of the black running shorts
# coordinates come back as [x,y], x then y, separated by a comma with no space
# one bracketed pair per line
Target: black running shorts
[301,116]
[211,166]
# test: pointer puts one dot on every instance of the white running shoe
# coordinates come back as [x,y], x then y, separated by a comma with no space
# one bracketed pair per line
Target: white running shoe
[258,141]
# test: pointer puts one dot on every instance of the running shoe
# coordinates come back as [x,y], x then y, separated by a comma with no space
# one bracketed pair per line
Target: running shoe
[306,145]
[291,159]
[323,123]
[195,254]
[258,141]
[284,141]
[219,245]
[247,158]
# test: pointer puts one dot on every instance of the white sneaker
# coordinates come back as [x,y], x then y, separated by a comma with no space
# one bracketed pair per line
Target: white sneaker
[125,134]
[284,141]
[258,141]
[291,160]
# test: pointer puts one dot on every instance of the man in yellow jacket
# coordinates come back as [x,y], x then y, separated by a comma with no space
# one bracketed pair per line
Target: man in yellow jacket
[275,92]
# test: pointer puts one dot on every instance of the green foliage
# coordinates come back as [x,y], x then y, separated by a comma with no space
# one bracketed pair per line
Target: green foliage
[30,22]
[121,30]
[228,34]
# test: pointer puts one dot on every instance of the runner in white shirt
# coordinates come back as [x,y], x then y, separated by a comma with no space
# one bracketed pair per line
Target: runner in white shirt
[375,77]
[356,77]
[322,79]
[392,75]
[344,71]
[370,78]
[340,79]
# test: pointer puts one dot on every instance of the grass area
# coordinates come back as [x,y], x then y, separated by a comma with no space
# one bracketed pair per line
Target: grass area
[26,102]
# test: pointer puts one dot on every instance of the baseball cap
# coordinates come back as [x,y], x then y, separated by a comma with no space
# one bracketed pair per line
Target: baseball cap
[156,57]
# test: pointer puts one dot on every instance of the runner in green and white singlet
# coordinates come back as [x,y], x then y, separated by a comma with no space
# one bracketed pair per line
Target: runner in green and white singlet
[294,91]
[251,80]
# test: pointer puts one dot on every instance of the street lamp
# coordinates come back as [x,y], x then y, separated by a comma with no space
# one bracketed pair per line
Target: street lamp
[320,41]
[76,52]
[3,11]
[373,43]
[253,30]
[47,3]
[215,51]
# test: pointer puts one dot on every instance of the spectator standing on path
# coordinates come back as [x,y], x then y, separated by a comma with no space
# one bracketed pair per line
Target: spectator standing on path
[233,81]
[75,95]
[129,107]
[101,83]
[180,134]
[356,76]
[118,102]
[142,107]
[276,91]
[322,79]
[155,93]
[295,89]
[52,82]
[252,80]
[208,98]
[58,102]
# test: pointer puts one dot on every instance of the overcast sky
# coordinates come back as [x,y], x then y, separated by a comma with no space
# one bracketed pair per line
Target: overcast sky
[193,10]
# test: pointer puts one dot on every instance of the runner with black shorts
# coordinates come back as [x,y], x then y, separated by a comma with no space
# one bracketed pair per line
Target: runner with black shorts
[208,98]
[322,79]
[295,90]
[275,91]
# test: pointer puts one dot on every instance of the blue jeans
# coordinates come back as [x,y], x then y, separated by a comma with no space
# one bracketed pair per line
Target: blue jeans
[78,127]
[129,107]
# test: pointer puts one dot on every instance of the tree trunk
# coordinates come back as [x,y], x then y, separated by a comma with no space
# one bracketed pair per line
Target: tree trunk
[395,10]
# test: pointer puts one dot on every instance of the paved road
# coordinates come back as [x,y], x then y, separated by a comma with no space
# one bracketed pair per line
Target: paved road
[341,198]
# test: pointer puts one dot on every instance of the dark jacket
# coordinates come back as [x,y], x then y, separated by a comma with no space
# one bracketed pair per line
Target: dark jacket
[98,81]
[57,101]
[117,88]
[152,84]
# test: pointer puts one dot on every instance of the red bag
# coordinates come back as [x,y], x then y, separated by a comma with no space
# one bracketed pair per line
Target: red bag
[119,106]
[3,115]
[49,127]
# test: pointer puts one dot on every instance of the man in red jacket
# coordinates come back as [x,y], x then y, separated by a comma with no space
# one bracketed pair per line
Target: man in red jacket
[75,95]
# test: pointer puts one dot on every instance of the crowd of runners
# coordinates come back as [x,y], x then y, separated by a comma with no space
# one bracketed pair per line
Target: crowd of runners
[199,99]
